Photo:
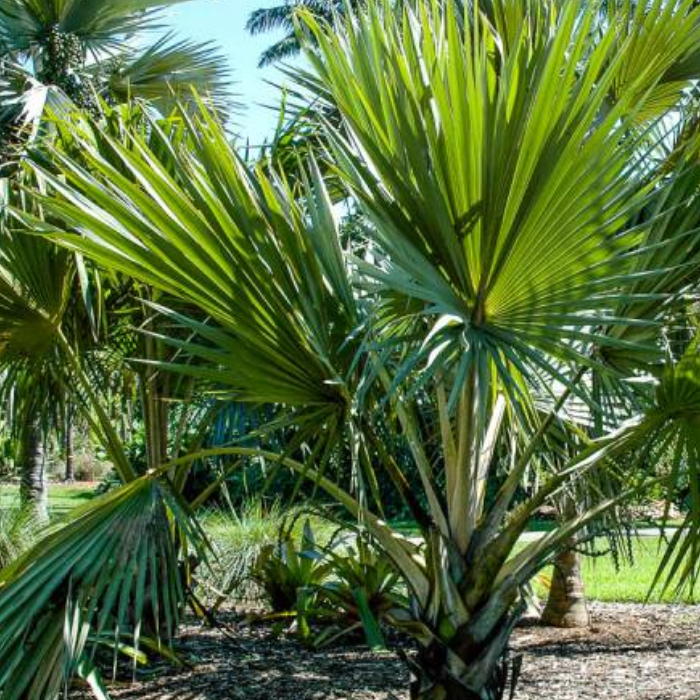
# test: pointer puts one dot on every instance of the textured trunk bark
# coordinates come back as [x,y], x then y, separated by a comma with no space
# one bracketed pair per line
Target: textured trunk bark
[33,491]
[566,605]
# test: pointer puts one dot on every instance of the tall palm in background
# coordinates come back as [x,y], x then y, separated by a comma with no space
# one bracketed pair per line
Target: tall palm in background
[34,293]
[282,18]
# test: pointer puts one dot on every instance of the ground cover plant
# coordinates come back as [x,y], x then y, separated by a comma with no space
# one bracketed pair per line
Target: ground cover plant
[515,325]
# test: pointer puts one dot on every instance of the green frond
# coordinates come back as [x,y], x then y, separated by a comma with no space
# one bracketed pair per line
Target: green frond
[115,573]
[171,72]
[499,178]
[262,262]
[35,280]
[100,24]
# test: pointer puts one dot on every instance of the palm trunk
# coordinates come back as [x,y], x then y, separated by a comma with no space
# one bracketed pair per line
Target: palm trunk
[68,447]
[33,491]
[566,605]
[464,669]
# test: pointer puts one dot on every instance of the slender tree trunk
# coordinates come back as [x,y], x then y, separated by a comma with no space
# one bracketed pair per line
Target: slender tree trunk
[566,605]
[33,491]
[68,447]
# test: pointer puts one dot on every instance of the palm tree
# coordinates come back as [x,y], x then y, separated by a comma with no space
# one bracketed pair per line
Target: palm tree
[131,545]
[508,172]
[60,55]
[86,51]
[282,17]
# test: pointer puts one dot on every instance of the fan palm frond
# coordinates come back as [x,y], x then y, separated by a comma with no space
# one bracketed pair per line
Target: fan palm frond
[171,72]
[100,24]
[113,575]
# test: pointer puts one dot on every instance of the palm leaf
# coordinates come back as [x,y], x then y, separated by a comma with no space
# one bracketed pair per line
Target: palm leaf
[200,235]
[99,24]
[169,73]
[499,180]
[114,571]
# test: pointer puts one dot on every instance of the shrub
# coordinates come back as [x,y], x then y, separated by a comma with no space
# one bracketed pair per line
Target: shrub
[238,539]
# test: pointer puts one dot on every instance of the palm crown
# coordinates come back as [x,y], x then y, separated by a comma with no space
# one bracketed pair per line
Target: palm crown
[86,50]
[282,17]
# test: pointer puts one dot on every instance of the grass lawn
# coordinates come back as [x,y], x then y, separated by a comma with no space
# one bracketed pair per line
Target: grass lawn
[629,583]
[603,580]
[62,497]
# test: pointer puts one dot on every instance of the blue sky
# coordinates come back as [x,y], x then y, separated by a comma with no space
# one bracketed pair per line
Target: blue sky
[223,21]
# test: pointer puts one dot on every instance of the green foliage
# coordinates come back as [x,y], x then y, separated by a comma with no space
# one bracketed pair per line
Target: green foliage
[18,531]
[239,536]
[362,591]
[115,571]
[331,591]
[517,228]
[626,582]
[63,498]
[287,574]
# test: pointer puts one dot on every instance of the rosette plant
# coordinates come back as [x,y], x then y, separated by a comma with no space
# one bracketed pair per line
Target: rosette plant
[528,228]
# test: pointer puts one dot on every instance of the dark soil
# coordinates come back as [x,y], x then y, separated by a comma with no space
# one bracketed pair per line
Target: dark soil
[631,652]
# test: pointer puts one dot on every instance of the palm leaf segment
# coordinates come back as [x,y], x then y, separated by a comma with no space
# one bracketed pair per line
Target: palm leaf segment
[109,578]
[34,289]
[168,73]
[672,450]
[282,17]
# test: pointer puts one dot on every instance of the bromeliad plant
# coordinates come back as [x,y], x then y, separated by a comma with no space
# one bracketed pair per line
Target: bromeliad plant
[362,593]
[331,591]
[505,163]
[287,573]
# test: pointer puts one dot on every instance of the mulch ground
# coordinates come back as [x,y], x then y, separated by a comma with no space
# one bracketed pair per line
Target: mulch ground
[631,652]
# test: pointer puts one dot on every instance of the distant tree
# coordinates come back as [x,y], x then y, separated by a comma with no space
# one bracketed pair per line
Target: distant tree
[281,17]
